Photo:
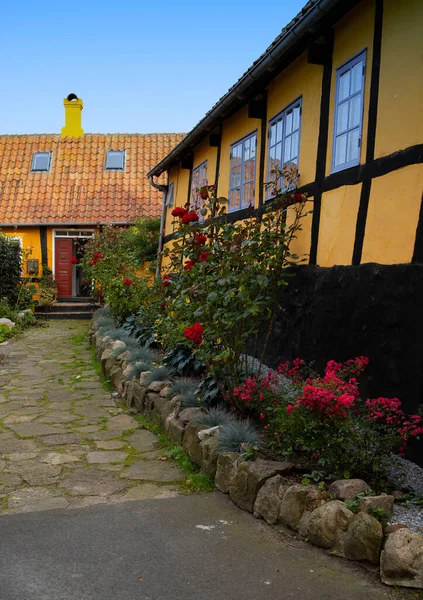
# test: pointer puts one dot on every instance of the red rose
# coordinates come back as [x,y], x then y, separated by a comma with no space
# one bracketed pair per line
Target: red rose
[204,193]
[127,281]
[204,256]
[96,255]
[190,217]
[189,265]
[179,211]
[91,263]
[194,333]
[289,408]
[298,197]
[166,280]
[101,255]
[74,260]
[200,239]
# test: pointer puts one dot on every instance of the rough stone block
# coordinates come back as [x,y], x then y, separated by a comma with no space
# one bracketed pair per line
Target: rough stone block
[251,475]
[149,402]
[364,539]
[105,355]
[144,376]
[209,455]
[328,524]
[191,442]
[170,409]
[344,489]
[189,414]
[139,396]
[176,431]
[293,505]
[158,386]
[384,502]
[269,499]
[159,403]
[226,470]
[401,561]
[167,392]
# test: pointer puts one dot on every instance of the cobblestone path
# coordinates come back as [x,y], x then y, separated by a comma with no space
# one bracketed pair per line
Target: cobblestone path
[63,441]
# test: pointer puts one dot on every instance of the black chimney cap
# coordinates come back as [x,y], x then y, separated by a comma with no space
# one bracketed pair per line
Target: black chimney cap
[72,97]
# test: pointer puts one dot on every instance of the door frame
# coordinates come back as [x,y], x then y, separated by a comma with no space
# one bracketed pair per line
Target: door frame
[68,233]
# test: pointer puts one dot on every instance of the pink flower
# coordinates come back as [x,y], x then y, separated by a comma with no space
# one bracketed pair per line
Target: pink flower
[289,408]
[262,416]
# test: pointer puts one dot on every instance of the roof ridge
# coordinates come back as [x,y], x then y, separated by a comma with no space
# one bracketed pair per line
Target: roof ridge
[90,133]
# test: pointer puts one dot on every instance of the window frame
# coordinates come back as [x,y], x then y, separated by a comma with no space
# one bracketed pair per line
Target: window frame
[242,182]
[34,157]
[117,169]
[347,66]
[170,195]
[278,117]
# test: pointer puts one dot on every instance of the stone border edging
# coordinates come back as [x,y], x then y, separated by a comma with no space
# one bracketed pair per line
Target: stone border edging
[261,487]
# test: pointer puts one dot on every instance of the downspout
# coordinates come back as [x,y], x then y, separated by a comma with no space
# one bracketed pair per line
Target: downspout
[163,189]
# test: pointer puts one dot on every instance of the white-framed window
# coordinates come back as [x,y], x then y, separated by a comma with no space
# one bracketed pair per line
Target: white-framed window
[284,147]
[170,194]
[242,180]
[41,162]
[115,160]
[198,180]
[347,130]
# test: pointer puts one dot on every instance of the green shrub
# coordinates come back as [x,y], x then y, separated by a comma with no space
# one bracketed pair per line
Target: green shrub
[140,354]
[158,374]
[186,389]
[10,268]
[138,367]
[5,333]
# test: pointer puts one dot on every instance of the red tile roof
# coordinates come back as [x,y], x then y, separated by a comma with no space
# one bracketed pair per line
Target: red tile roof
[78,189]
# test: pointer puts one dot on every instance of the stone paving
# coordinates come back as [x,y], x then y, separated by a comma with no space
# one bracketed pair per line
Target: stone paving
[64,443]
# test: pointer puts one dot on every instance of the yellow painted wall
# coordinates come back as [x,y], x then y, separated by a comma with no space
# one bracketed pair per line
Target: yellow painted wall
[338,220]
[30,237]
[234,129]
[400,113]
[301,244]
[392,216]
[353,34]
[305,80]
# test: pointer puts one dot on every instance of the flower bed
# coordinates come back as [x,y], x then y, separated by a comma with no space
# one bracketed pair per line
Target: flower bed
[343,518]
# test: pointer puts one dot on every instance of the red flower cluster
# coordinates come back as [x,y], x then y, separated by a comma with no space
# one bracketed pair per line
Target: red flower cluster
[127,281]
[179,212]
[166,280]
[189,265]
[74,260]
[200,239]
[190,217]
[204,256]
[388,410]
[256,390]
[96,257]
[328,402]
[294,372]
[204,192]
[194,333]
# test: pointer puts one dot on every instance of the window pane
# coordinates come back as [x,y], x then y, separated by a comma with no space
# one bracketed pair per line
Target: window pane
[294,145]
[352,147]
[340,149]
[41,161]
[253,141]
[272,134]
[114,160]
[288,123]
[342,118]
[296,120]
[203,176]
[235,198]
[354,117]
[248,194]
[279,131]
[247,145]
[287,149]
[236,155]
[249,170]
[344,86]
[356,77]
[236,176]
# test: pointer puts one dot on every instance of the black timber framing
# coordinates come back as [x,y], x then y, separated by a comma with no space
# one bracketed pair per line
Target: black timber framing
[371,134]
[418,246]
[43,244]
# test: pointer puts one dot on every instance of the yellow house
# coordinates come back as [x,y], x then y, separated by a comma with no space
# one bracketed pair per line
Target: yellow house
[338,98]
[55,190]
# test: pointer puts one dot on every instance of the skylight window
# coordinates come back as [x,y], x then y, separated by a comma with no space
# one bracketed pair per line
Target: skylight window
[41,162]
[115,160]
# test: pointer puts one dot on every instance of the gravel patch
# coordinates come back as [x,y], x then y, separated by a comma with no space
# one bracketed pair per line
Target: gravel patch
[405,475]
[410,515]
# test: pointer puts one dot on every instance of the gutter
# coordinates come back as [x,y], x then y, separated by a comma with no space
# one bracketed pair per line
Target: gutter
[164,190]
[267,62]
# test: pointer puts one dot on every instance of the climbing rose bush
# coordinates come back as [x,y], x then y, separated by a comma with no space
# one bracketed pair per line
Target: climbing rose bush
[329,420]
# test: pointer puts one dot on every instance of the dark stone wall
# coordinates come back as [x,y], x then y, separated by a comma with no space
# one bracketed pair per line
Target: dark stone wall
[343,312]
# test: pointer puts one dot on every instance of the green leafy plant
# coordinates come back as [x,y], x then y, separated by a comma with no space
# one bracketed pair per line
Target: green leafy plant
[10,268]
[5,333]
[182,360]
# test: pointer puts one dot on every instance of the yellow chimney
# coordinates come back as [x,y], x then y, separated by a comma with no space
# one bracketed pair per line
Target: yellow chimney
[73,117]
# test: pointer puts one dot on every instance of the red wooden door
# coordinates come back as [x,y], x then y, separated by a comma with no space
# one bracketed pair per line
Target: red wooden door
[63,267]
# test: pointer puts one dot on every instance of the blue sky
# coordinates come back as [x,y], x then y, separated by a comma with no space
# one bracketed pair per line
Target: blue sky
[139,67]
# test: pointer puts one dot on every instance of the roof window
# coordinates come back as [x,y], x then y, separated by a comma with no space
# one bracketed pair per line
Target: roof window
[115,160]
[41,162]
